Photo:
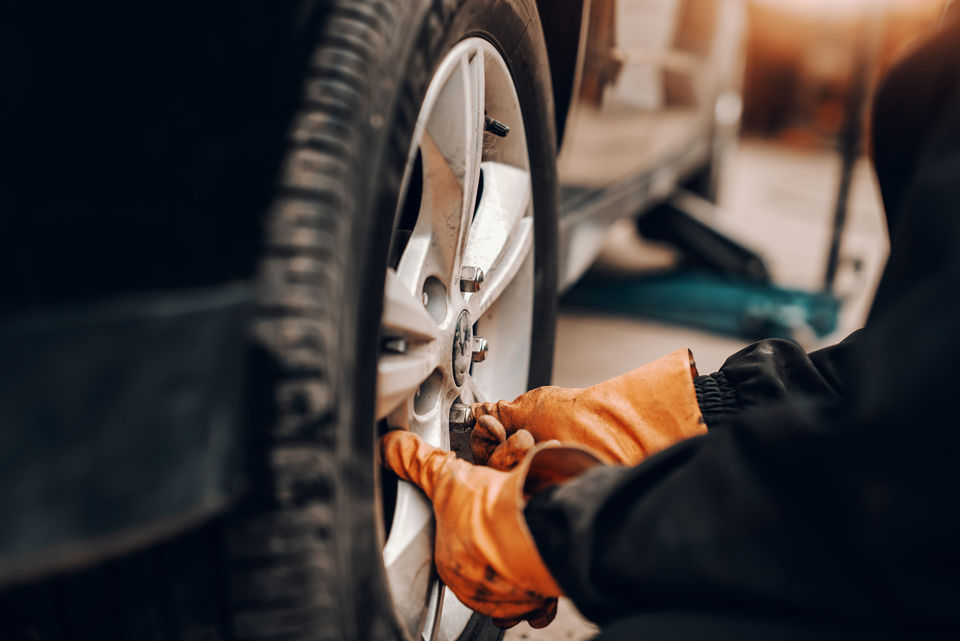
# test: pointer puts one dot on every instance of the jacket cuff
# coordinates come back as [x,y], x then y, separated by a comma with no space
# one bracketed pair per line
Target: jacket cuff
[716,397]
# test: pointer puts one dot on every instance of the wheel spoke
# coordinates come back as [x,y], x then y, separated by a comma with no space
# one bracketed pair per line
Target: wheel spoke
[454,616]
[504,270]
[404,315]
[408,553]
[470,392]
[399,377]
[506,200]
[438,593]
[476,115]
[507,325]
[454,122]
[436,238]
[451,144]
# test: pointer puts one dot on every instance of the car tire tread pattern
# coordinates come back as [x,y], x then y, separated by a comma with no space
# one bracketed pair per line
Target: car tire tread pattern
[287,531]
[283,551]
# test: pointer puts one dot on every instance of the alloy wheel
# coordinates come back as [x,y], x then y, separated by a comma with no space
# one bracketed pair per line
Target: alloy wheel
[458,303]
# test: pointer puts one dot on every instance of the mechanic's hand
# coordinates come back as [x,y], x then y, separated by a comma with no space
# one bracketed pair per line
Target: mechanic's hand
[625,419]
[484,551]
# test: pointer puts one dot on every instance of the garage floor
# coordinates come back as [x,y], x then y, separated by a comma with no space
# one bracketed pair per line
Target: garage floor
[781,201]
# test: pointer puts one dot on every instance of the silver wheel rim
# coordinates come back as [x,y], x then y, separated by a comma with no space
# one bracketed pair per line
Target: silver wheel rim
[468,264]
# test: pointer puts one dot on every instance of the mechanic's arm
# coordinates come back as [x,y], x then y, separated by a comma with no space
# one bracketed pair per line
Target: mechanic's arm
[772,371]
[804,508]
[633,416]
[792,511]
[839,512]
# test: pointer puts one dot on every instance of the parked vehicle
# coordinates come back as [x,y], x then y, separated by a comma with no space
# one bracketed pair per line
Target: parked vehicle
[450,167]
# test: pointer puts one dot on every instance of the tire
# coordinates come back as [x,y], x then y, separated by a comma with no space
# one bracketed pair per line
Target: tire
[304,551]
[300,556]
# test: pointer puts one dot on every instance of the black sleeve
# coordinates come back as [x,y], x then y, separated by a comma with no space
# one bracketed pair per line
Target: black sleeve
[771,371]
[839,512]
[796,509]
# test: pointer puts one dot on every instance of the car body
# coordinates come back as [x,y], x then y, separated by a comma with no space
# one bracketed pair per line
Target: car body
[656,99]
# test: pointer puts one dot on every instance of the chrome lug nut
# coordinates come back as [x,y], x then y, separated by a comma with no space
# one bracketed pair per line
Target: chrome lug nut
[395,345]
[470,279]
[480,349]
[461,417]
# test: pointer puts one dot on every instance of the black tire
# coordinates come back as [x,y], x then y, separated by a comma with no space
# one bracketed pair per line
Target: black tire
[305,556]
[299,557]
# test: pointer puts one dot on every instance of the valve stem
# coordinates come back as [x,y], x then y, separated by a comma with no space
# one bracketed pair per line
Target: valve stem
[495,127]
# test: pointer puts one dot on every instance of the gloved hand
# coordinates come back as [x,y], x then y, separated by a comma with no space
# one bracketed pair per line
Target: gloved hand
[625,419]
[484,551]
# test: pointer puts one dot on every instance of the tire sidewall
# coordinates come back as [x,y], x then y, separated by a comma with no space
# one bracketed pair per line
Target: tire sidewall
[513,27]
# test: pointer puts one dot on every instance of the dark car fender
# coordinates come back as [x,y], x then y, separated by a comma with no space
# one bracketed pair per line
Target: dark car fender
[119,421]
[563,22]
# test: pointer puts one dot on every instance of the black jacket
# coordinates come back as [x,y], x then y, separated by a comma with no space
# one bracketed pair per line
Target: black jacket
[824,502]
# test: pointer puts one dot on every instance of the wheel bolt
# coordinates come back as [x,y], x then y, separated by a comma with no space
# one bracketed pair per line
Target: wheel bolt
[395,345]
[480,349]
[461,417]
[470,279]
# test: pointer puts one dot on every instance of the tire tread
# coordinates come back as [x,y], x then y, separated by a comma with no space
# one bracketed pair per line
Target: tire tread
[283,556]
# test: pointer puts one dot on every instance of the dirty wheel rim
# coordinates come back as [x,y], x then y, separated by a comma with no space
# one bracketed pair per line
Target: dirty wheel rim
[458,301]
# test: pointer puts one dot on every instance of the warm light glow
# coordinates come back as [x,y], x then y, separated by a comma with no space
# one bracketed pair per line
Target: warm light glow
[833,7]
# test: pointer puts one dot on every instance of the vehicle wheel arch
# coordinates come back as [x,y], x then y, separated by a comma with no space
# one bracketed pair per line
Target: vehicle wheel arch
[563,22]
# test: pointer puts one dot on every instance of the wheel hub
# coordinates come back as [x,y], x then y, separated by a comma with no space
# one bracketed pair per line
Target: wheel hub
[462,348]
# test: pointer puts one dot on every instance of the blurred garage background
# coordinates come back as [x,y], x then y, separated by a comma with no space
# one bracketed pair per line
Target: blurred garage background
[778,195]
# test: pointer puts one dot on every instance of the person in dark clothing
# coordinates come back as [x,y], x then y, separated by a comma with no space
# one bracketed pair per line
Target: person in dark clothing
[819,501]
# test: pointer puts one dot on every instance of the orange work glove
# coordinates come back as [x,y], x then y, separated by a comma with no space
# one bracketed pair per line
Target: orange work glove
[625,419]
[484,551]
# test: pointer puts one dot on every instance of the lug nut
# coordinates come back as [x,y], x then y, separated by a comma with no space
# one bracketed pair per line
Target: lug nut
[461,417]
[495,127]
[470,279]
[480,349]
[395,345]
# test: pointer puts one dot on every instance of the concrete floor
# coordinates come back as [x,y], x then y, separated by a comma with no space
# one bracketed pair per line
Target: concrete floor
[779,200]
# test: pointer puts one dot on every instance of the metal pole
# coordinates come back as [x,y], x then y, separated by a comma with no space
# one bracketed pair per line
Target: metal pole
[851,138]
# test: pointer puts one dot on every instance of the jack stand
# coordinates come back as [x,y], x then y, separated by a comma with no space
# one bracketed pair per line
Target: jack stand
[725,287]
[711,302]
[686,222]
